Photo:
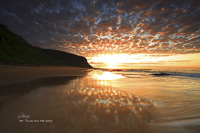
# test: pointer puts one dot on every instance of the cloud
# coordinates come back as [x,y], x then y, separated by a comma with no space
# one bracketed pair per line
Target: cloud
[106,26]
[106,23]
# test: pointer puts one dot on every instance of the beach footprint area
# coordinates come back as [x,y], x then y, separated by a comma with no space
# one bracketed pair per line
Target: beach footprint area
[76,104]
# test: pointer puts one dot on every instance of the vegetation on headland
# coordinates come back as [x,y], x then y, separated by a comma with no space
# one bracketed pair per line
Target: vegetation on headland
[15,50]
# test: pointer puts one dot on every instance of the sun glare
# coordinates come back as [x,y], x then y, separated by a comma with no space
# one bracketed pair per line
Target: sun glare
[146,60]
[110,60]
[116,59]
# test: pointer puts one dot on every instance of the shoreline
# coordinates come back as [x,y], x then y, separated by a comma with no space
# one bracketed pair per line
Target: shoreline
[12,74]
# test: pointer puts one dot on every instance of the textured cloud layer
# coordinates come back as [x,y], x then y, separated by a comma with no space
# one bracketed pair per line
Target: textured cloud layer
[95,27]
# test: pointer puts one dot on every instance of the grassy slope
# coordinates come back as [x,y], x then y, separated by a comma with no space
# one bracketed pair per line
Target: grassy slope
[14,49]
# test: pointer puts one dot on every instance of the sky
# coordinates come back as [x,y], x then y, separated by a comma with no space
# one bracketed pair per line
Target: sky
[109,32]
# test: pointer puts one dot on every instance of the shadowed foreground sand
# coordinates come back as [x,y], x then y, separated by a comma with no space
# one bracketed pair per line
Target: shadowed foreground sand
[16,74]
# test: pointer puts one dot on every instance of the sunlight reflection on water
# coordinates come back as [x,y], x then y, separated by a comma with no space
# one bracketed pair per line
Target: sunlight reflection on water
[103,75]
[82,105]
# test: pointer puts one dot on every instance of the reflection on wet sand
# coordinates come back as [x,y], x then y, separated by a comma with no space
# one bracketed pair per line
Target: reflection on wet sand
[11,92]
[82,105]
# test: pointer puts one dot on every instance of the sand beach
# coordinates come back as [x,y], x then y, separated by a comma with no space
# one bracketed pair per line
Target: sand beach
[11,74]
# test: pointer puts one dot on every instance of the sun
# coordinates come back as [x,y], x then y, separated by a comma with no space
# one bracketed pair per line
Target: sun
[110,60]
[113,60]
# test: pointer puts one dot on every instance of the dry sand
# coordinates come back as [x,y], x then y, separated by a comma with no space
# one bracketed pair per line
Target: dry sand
[15,74]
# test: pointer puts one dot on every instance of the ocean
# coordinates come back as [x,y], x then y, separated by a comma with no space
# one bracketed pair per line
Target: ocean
[114,100]
[175,93]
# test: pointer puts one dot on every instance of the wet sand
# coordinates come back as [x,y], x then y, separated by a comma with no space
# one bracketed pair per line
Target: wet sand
[73,104]
[17,74]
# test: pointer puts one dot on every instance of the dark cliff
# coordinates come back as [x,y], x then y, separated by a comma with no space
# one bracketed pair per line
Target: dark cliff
[15,50]
[67,58]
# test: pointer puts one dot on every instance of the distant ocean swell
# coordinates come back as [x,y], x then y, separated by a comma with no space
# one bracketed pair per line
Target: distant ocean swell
[131,73]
